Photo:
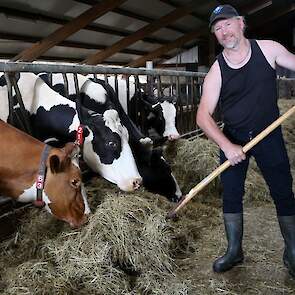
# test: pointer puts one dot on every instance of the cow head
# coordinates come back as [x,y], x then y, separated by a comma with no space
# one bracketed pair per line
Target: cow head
[161,115]
[155,171]
[106,149]
[65,194]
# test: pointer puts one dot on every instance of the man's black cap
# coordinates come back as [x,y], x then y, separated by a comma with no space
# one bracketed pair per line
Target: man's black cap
[222,12]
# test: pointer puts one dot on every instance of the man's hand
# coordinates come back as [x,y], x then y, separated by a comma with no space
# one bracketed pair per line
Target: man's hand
[234,153]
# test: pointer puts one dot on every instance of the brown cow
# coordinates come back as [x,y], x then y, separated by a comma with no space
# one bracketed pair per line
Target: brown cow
[20,157]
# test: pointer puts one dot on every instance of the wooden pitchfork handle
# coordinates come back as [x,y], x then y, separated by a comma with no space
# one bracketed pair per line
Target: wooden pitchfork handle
[226,164]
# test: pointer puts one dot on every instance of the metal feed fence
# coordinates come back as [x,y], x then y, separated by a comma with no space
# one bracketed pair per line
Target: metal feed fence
[185,86]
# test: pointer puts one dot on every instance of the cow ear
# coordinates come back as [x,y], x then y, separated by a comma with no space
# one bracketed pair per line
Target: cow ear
[55,164]
[59,160]
[71,149]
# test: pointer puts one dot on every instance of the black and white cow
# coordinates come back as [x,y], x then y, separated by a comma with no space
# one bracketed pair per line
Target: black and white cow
[105,150]
[156,114]
[155,171]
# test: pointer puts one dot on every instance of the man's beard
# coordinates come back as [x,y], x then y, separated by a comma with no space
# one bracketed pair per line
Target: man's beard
[231,44]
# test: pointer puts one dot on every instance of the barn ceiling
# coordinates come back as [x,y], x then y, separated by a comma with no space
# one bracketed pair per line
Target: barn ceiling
[127,32]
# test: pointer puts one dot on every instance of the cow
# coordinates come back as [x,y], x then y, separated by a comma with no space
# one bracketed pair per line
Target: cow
[105,149]
[156,114]
[98,96]
[59,181]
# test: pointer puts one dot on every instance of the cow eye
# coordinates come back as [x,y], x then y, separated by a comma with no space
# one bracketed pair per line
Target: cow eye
[112,144]
[75,183]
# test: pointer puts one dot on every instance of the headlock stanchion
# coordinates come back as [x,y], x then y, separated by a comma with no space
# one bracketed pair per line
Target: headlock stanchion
[226,164]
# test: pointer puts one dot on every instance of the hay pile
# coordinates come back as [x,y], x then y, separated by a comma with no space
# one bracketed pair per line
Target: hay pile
[127,247]
[192,160]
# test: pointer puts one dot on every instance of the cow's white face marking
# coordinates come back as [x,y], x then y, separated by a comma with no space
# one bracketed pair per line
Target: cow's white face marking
[95,91]
[83,191]
[112,120]
[169,113]
[146,141]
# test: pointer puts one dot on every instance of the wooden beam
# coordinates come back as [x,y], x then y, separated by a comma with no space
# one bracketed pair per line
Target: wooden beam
[72,44]
[166,48]
[67,30]
[39,16]
[134,15]
[253,6]
[139,34]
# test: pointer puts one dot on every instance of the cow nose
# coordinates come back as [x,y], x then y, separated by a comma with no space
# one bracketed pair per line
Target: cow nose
[78,223]
[136,183]
[131,184]
[173,137]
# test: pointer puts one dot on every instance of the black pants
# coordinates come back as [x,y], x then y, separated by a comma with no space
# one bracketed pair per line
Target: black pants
[272,159]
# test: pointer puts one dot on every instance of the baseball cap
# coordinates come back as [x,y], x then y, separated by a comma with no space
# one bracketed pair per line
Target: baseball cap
[222,12]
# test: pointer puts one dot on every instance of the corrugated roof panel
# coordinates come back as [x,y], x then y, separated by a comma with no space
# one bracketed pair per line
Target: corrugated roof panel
[116,20]
[151,8]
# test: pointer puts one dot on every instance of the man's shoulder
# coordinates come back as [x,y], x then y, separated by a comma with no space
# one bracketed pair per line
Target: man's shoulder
[215,69]
[271,50]
[214,73]
[215,66]
[268,44]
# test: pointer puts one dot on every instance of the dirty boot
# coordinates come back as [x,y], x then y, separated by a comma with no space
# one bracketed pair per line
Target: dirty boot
[287,225]
[233,223]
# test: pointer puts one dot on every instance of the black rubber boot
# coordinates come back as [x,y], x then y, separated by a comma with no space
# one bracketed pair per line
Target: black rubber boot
[287,225]
[233,223]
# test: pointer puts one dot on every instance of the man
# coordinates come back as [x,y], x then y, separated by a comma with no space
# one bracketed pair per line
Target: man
[242,81]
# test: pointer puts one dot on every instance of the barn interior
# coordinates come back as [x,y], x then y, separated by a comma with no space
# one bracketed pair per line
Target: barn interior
[132,32]
[129,247]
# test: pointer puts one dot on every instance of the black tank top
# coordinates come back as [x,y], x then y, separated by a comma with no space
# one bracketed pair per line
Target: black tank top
[248,97]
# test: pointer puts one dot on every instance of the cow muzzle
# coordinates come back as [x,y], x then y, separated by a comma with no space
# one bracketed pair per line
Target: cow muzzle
[130,185]
[173,137]
[74,224]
